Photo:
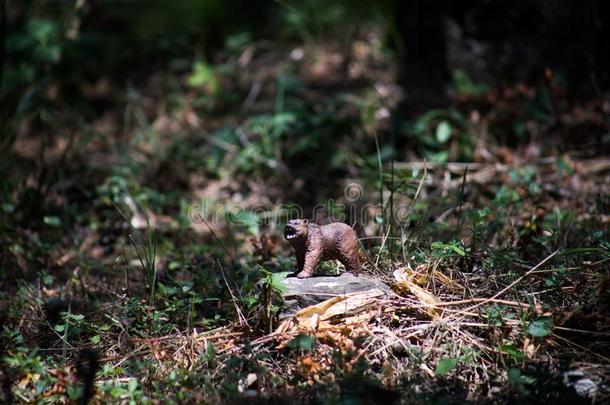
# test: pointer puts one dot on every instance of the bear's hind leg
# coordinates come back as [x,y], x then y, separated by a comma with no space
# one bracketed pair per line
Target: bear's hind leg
[351,263]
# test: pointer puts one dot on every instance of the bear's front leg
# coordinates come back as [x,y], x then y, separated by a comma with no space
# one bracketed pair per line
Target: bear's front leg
[300,255]
[312,258]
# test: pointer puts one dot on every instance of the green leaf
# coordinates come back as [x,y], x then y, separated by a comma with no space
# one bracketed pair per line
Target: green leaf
[210,352]
[249,219]
[132,385]
[465,85]
[302,341]
[540,327]
[513,352]
[514,376]
[458,249]
[526,379]
[204,76]
[563,167]
[52,221]
[95,339]
[59,328]
[237,42]
[47,279]
[76,318]
[443,131]
[439,157]
[445,366]
[162,289]
[277,281]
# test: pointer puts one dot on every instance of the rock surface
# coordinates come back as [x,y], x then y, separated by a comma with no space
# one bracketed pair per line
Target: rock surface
[584,386]
[304,292]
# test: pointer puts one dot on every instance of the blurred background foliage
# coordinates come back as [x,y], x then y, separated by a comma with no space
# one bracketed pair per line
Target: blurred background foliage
[157,99]
[276,102]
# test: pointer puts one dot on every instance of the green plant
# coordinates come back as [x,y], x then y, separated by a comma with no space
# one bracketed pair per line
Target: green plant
[501,260]
[309,19]
[435,132]
[261,141]
[480,225]
[302,342]
[70,329]
[35,50]
[520,382]
[464,84]
[12,340]
[541,327]
[129,392]
[203,76]
[28,366]
[512,352]
[147,254]
[496,315]
[244,218]
[506,196]
[266,296]
[556,278]
[445,366]
[526,176]
[448,249]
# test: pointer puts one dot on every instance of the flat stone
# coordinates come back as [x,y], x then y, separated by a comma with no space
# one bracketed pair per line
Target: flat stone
[303,292]
[584,387]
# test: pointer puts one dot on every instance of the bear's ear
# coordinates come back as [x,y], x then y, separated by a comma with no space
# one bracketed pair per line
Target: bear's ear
[305,221]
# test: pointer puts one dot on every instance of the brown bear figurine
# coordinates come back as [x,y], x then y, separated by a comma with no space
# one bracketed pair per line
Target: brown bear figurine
[313,243]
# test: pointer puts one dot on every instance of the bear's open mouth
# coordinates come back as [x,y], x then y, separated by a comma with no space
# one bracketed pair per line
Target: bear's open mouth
[290,232]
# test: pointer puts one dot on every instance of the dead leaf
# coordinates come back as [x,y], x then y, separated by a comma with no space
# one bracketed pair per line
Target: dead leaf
[352,303]
[406,285]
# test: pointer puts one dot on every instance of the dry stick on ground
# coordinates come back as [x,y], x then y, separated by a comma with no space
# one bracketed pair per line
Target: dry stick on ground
[589,332]
[222,245]
[219,336]
[143,349]
[479,301]
[394,340]
[511,285]
[417,192]
[383,241]
[606,359]
[483,300]
[242,318]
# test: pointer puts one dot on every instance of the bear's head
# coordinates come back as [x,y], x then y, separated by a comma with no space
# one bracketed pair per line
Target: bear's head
[296,230]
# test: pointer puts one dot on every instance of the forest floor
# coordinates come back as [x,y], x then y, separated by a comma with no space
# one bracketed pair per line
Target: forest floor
[148,241]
